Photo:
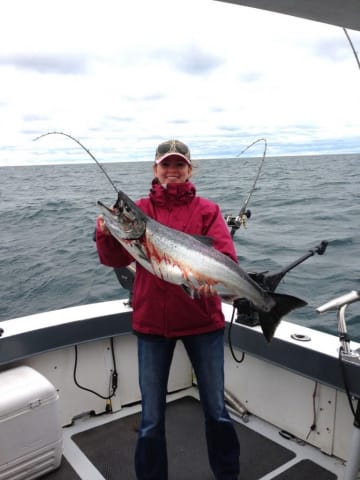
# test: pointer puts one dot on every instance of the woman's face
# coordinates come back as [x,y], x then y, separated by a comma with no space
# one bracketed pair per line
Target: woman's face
[172,170]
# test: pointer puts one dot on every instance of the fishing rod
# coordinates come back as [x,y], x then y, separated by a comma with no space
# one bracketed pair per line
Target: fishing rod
[352,47]
[86,150]
[236,221]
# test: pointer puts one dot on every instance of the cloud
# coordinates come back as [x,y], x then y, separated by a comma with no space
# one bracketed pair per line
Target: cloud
[33,117]
[53,63]
[188,58]
[150,97]
[217,75]
[250,76]
[196,61]
[179,121]
[120,119]
[332,49]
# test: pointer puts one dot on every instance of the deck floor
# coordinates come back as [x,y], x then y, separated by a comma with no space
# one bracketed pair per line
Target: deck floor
[110,448]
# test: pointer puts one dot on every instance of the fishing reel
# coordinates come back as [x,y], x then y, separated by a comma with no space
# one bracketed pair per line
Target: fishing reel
[236,221]
[246,312]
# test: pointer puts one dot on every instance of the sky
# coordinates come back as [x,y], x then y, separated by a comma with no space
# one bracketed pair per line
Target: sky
[122,76]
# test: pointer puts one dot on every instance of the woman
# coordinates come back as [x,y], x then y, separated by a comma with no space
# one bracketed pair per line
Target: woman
[164,313]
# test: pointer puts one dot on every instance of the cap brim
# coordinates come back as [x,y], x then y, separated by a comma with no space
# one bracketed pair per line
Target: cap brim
[172,154]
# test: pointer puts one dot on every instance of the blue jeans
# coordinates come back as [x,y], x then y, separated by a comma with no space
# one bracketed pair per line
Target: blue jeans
[206,353]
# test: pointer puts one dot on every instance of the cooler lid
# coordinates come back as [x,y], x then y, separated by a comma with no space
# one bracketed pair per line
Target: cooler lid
[23,388]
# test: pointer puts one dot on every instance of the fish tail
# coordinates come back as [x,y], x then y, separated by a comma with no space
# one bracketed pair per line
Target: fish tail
[284,304]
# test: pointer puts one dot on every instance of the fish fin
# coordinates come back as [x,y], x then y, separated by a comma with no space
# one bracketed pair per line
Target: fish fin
[284,304]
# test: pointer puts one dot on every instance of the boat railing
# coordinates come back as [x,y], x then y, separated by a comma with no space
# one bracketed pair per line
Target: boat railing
[340,305]
[346,354]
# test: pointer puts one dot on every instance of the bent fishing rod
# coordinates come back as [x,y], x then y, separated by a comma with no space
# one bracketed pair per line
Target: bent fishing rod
[86,150]
[352,47]
[235,222]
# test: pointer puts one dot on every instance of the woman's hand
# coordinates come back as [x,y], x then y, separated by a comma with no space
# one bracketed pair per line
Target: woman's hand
[101,226]
[206,290]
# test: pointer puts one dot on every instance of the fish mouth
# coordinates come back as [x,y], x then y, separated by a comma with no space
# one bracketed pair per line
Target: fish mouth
[124,221]
[106,207]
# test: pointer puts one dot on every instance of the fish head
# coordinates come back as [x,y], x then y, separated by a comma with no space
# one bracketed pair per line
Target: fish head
[125,220]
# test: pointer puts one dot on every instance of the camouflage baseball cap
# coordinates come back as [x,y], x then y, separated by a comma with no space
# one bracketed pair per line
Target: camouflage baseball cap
[170,148]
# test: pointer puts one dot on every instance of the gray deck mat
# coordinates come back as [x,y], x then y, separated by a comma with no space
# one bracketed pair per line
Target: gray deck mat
[306,469]
[111,447]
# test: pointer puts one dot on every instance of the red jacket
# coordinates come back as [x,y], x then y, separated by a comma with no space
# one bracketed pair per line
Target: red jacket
[159,307]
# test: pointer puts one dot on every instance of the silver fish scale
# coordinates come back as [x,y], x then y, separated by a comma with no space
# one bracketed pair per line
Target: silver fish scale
[185,260]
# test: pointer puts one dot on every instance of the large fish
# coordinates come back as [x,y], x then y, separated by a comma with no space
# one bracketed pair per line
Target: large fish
[181,259]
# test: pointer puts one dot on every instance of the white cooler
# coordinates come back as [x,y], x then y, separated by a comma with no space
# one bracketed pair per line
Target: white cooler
[30,430]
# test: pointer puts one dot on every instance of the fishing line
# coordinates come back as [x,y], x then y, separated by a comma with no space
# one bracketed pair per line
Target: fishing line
[86,150]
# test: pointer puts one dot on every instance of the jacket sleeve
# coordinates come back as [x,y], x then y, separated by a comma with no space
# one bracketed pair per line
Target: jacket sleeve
[216,228]
[110,252]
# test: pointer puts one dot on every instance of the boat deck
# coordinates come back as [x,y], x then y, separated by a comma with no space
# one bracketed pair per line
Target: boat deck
[102,447]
